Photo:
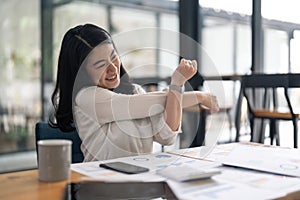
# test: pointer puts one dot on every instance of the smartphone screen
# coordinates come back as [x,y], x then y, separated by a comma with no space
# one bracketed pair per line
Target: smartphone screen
[124,167]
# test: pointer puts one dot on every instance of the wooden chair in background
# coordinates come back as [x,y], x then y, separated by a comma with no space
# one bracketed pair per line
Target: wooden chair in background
[261,92]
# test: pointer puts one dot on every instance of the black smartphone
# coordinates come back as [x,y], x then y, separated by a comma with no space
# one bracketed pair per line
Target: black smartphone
[124,167]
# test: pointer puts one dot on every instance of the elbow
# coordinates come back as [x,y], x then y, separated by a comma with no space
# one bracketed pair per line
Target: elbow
[174,128]
[168,142]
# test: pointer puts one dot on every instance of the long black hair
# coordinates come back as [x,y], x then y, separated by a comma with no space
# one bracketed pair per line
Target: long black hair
[77,43]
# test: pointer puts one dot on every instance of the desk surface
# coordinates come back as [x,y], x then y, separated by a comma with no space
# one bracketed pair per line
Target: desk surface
[25,185]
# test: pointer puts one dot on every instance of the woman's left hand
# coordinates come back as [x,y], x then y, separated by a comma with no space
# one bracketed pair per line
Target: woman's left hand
[210,101]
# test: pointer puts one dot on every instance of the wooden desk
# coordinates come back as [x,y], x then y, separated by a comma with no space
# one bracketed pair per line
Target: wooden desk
[25,185]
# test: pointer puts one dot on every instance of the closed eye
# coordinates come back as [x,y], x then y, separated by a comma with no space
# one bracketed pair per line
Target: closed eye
[100,66]
[114,57]
[101,63]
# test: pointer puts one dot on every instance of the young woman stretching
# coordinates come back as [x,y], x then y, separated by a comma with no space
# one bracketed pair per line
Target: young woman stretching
[114,117]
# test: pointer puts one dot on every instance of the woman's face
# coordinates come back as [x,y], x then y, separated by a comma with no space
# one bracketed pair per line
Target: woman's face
[104,66]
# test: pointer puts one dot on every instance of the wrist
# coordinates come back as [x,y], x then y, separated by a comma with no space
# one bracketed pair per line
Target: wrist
[199,96]
[177,81]
[177,88]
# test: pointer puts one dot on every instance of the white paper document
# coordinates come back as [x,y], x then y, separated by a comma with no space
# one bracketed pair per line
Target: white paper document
[231,183]
[268,159]
[151,161]
[211,190]
[236,184]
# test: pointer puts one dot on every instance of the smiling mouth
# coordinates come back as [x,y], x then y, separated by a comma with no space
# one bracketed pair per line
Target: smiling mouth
[112,78]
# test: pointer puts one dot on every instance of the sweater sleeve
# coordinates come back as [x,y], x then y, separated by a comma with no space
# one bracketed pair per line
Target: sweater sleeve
[108,106]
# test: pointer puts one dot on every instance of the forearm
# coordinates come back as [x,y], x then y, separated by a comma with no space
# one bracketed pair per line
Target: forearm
[190,99]
[185,70]
[173,110]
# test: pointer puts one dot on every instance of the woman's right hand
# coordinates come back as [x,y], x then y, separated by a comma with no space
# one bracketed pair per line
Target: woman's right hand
[185,70]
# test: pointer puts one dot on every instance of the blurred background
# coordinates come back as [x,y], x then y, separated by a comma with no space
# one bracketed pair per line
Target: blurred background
[32,31]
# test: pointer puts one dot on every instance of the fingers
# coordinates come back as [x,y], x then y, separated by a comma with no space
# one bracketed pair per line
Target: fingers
[182,62]
[188,63]
[214,108]
[194,63]
[184,71]
[210,101]
[189,66]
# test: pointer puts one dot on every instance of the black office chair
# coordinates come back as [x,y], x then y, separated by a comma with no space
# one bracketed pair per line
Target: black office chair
[45,132]
[194,84]
[261,92]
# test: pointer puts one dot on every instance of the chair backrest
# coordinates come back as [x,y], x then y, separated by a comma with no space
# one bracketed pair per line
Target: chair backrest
[294,90]
[265,80]
[294,80]
[261,90]
[45,132]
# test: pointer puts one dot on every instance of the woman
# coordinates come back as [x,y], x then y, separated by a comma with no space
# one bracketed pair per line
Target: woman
[114,117]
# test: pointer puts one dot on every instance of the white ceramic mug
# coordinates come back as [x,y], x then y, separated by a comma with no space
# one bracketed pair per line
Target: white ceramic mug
[54,159]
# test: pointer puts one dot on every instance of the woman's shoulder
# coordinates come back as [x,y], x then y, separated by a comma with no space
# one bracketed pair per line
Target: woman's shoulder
[94,90]
[87,90]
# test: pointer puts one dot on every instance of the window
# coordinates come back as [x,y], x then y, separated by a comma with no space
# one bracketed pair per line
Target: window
[227,36]
[282,22]
[20,104]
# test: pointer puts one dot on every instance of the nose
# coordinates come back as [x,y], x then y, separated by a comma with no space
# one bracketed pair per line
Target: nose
[111,68]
